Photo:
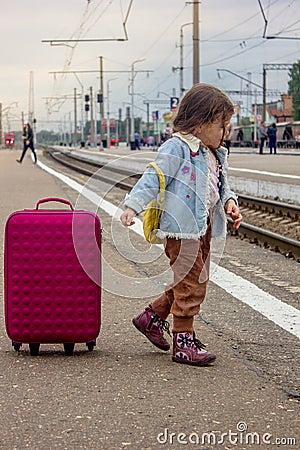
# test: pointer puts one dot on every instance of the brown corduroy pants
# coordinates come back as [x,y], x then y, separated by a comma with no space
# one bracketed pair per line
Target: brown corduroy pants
[189,261]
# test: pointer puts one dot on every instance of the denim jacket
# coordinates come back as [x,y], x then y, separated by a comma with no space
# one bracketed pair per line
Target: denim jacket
[186,213]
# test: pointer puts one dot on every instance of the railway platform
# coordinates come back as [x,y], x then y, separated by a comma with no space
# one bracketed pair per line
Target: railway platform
[128,395]
[272,176]
[285,161]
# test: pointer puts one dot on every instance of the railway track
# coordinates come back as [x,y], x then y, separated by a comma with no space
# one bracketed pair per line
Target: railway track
[269,223]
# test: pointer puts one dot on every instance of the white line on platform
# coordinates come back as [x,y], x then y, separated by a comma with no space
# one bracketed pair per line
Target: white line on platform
[282,314]
[286,316]
[263,172]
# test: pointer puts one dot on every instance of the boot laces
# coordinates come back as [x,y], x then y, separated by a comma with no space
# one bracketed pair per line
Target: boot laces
[199,344]
[162,324]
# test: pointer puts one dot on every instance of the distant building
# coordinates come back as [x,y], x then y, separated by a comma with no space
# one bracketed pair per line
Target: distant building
[278,111]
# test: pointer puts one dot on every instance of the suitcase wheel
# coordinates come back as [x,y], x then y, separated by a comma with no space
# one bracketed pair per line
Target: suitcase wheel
[90,345]
[69,348]
[34,349]
[16,345]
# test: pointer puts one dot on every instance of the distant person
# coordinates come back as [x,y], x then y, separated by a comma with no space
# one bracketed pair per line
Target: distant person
[137,140]
[150,141]
[163,137]
[194,209]
[263,137]
[240,136]
[288,133]
[230,131]
[272,135]
[168,131]
[28,142]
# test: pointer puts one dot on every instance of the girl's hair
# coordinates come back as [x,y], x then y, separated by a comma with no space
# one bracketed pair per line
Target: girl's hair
[202,105]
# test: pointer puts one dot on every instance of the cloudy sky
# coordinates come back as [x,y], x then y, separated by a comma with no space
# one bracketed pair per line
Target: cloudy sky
[231,39]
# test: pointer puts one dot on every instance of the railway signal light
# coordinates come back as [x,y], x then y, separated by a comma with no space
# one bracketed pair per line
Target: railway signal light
[87,99]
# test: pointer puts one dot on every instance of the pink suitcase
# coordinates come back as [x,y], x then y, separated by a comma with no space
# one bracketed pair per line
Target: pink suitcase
[52,277]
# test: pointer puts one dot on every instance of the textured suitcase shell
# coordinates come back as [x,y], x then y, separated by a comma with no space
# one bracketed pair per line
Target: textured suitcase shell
[52,274]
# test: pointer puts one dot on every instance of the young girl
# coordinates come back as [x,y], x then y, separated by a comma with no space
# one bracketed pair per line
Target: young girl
[197,197]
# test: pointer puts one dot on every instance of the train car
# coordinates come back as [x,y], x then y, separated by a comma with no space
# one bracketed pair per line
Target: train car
[9,139]
[288,135]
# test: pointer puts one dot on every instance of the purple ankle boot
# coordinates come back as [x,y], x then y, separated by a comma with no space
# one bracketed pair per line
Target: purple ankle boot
[152,326]
[189,350]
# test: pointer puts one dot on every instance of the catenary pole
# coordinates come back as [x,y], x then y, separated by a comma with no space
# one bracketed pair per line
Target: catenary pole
[196,52]
[75,117]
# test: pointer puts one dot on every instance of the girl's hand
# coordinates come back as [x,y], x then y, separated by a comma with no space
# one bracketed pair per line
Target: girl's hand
[127,216]
[234,212]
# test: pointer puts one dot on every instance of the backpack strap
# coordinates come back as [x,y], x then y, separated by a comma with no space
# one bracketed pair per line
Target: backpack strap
[162,181]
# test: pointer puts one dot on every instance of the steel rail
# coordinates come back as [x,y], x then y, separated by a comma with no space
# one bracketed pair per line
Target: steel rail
[89,173]
[268,239]
[282,209]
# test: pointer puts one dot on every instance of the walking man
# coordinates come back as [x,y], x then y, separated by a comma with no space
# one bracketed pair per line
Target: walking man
[263,137]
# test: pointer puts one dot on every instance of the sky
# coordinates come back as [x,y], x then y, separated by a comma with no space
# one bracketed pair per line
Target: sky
[231,39]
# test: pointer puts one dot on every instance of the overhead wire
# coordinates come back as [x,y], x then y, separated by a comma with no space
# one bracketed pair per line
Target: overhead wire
[166,29]
[99,16]
[247,49]
[81,31]
[86,17]
[69,56]
[162,34]
[239,24]
[218,34]
[253,36]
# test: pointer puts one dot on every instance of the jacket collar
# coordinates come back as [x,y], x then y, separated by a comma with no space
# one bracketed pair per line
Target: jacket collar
[192,141]
[195,144]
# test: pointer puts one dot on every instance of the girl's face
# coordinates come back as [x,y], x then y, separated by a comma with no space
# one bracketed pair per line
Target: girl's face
[212,135]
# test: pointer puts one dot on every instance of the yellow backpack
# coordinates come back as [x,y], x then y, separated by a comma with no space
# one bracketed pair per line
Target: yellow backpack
[154,208]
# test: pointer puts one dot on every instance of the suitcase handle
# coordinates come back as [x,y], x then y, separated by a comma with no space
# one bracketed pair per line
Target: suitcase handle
[54,199]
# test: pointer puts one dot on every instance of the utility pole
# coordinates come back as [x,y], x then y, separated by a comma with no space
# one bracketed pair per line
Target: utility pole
[132,107]
[31,99]
[128,125]
[92,117]
[31,117]
[101,98]
[132,100]
[75,118]
[108,113]
[118,130]
[148,118]
[196,53]
[180,68]
[255,116]
[181,88]
[249,95]
[264,111]
[101,71]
